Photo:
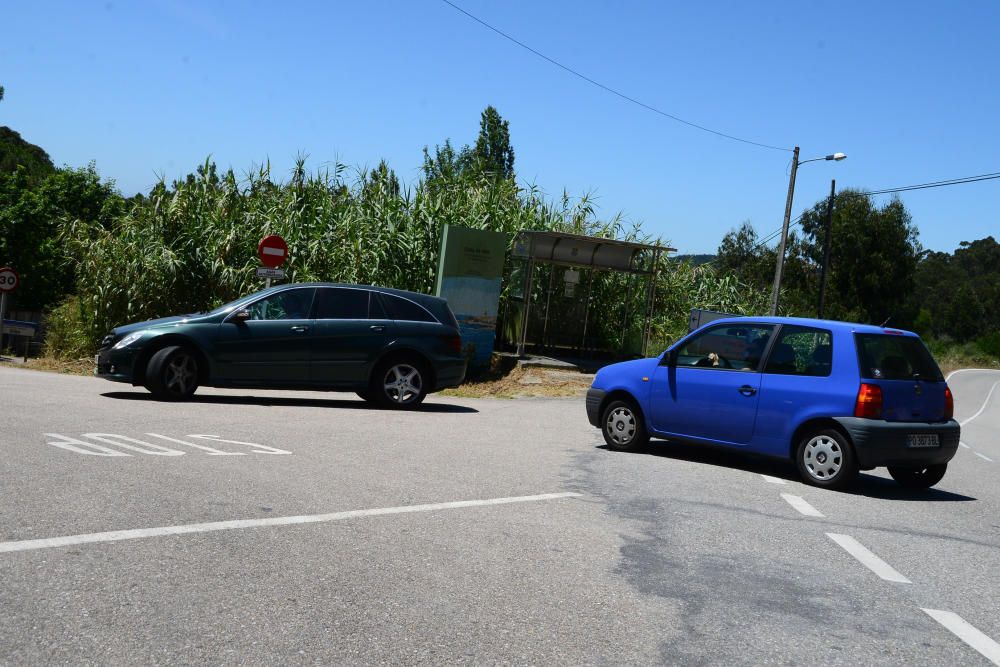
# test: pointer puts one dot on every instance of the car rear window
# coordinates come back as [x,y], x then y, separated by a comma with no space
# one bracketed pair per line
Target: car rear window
[895,357]
[404,309]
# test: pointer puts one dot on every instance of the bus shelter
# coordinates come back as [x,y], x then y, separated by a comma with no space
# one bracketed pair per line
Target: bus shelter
[638,263]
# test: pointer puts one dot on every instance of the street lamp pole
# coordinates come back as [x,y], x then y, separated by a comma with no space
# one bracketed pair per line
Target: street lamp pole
[779,267]
[784,233]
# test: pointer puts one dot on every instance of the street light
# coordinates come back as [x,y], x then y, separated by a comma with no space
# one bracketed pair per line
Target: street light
[837,157]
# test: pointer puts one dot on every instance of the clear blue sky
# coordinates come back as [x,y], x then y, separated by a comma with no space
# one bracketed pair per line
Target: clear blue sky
[909,90]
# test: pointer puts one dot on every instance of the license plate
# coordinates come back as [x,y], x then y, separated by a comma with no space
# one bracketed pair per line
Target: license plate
[922,440]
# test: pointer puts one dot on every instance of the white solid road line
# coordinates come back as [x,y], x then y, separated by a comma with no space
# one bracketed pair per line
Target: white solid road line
[971,370]
[773,480]
[868,559]
[983,457]
[118,535]
[985,403]
[801,505]
[967,633]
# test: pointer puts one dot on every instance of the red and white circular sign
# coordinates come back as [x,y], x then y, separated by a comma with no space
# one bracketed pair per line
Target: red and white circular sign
[8,279]
[273,251]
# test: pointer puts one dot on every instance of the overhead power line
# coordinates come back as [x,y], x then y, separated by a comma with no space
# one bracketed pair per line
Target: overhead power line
[608,88]
[936,184]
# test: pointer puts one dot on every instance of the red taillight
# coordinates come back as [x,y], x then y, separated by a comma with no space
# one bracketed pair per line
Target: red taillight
[453,343]
[949,404]
[869,403]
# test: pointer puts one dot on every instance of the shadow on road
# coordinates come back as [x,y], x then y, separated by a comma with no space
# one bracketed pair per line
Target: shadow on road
[887,489]
[291,402]
[866,485]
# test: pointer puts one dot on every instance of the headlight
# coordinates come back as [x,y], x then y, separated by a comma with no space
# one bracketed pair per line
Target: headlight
[127,340]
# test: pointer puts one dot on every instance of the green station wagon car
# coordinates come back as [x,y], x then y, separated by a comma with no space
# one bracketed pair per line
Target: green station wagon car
[390,346]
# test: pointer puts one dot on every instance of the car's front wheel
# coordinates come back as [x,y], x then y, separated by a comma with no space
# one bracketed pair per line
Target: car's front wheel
[622,426]
[825,458]
[920,477]
[399,383]
[172,373]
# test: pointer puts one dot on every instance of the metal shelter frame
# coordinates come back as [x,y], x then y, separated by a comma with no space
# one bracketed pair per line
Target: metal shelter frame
[588,252]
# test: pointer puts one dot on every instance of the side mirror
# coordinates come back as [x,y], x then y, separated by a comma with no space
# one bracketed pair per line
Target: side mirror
[240,316]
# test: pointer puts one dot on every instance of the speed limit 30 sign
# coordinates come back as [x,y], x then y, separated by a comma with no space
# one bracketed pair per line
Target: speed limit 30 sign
[8,279]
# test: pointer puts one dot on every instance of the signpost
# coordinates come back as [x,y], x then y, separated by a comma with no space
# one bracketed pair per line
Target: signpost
[8,283]
[273,251]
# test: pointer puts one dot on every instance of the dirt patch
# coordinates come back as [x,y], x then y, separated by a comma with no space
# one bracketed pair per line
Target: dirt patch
[520,382]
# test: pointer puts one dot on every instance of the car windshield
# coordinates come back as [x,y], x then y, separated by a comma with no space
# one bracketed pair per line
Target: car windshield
[226,307]
[895,357]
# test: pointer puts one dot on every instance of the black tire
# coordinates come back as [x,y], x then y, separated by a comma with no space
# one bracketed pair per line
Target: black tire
[920,477]
[172,373]
[826,459]
[623,427]
[400,383]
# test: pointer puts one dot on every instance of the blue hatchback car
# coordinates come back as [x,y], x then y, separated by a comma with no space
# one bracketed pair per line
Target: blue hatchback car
[834,397]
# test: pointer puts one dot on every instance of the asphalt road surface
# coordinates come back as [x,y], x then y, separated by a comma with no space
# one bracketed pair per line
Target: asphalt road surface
[307,528]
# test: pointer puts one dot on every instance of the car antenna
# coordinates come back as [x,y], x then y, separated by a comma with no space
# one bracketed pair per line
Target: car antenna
[886,321]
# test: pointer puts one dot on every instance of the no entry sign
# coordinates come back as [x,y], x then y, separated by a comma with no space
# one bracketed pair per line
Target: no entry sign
[8,279]
[272,250]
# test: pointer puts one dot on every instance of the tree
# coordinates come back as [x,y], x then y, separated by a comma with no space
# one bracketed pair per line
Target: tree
[15,151]
[493,153]
[873,256]
[32,218]
[741,253]
[491,157]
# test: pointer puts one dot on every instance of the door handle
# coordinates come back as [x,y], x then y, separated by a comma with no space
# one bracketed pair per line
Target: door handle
[300,329]
[378,328]
[747,390]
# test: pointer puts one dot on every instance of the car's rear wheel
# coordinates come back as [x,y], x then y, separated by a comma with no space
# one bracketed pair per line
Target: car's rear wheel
[622,426]
[825,458]
[172,373]
[400,383]
[919,477]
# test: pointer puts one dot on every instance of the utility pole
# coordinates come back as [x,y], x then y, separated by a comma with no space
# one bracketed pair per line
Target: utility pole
[826,250]
[784,233]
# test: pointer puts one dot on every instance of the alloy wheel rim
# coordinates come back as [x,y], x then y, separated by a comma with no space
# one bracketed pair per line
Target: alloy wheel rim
[823,458]
[621,426]
[402,384]
[182,371]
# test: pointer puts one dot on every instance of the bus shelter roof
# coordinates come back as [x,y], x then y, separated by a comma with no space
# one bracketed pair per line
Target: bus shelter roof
[588,251]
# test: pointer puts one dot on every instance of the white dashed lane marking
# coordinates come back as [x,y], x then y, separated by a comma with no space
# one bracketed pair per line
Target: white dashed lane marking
[983,457]
[773,480]
[964,445]
[119,535]
[985,403]
[868,559]
[967,633]
[801,505]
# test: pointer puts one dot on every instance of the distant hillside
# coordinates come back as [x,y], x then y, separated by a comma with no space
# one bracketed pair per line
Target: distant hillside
[694,259]
[16,151]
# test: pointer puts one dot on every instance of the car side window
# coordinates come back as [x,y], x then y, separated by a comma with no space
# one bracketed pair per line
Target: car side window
[727,347]
[404,309]
[291,304]
[801,351]
[337,303]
